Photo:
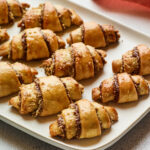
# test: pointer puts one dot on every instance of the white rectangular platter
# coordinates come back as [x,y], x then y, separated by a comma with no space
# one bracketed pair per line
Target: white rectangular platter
[129,114]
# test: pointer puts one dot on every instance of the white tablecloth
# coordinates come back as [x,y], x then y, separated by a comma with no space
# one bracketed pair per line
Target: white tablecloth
[139,137]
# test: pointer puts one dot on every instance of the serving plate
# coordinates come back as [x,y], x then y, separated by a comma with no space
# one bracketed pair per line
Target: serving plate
[129,114]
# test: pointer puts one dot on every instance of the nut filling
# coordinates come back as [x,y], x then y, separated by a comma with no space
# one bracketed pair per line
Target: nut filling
[62,126]
[78,123]
[74,63]
[105,37]
[136,54]
[47,43]
[83,32]
[24,44]
[68,95]
[39,97]
[116,88]
[100,88]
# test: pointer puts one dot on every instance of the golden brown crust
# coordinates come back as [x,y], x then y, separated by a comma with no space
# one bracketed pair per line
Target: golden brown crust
[47,16]
[78,123]
[9,82]
[84,65]
[135,61]
[36,46]
[10,9]
[3,35]
[47,95]
[94,34]
[32,44]
[144,54]
[80,61]
[4,12]
[122,87]
[50,18]
[127,90]
[13,75]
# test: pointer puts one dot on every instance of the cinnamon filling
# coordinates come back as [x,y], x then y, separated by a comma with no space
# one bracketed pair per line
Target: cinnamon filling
[136,54]
[61,125]
[24,45]
[68,95]
[78,123]
[116,88]
[39,98]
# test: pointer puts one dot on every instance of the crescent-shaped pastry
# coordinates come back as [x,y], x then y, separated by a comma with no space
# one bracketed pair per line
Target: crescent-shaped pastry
[47,16]
[121,88]
[79,61]
[93,34]
[136,61]
[10,9]
[3,35]
[13,75]
[32,44]
[83,119]
[47,95]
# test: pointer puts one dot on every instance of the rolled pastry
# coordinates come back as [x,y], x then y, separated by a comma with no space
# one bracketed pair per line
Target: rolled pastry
[47,16]
[3,35]
[136,61]
[13,75]
[79,61]
[32,44]
[83,119]
[93,34]
[10,9]
[121,88]
[47,95]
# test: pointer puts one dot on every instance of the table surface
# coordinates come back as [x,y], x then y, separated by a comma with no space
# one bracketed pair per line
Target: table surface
[138,138]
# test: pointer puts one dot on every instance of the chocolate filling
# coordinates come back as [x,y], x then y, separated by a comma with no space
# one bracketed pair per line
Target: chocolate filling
[68,95]
[105,37]
[39,98]
[47,42]
[74,62]
[116,88]
[78,123]
[136,54]
[61,125]
[24,45]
